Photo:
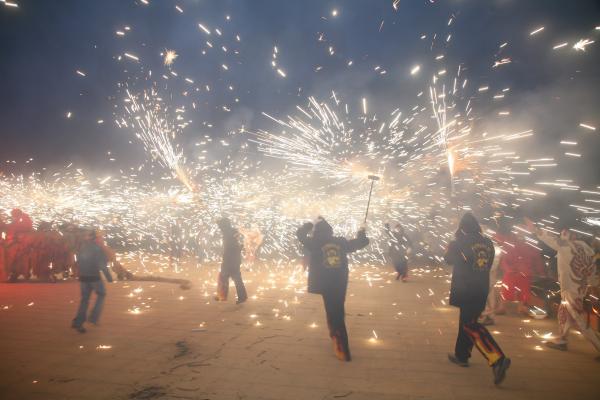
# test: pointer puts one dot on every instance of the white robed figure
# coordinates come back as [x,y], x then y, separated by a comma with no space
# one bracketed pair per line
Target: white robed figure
[576,267]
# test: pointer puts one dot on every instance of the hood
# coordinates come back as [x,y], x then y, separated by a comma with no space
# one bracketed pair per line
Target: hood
[322,230]
[468,226]
[224,224]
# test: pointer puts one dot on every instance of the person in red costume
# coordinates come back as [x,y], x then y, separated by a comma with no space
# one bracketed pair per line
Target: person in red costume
[519,263]
[18,244]
[20,222]
[3,233]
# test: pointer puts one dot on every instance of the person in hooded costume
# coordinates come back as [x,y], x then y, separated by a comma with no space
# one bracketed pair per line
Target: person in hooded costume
[232,260]
[472,254]
[576,267]
[328,275]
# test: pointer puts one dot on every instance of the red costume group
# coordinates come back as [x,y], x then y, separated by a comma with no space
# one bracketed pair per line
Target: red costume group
[41,252]
[519,263]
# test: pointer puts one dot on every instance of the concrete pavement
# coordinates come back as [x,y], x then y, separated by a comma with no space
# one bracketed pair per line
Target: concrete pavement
[156,341]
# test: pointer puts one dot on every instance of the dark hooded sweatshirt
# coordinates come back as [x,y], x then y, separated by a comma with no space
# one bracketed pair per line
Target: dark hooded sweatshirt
[232,247]
[328,268]
[472,255]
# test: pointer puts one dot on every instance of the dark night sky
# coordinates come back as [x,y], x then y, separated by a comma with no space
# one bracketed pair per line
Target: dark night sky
[43,42]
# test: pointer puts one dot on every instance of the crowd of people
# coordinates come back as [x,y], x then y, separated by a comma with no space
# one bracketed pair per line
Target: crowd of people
[46,252]
[488,273]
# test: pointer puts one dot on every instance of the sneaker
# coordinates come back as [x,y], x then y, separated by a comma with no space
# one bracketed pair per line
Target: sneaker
[487,321]
[453,359]
[557,346]
[79,328]
[499,369]
[404,279]
[339,351]
[240,301]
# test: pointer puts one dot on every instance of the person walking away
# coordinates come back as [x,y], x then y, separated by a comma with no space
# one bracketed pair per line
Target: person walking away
[576,266]
[91,260]
[400,246]
[328,275]
[232,260]
[471,254]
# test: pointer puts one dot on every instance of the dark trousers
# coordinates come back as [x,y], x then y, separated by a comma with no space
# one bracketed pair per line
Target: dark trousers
[86,291]
[401,267]
[336,314]
[471,332]
[223,284]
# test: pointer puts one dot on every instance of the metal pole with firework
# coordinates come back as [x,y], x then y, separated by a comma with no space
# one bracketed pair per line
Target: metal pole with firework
[372,178]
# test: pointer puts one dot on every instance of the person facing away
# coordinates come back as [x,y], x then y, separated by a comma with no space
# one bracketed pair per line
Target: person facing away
[91,260]
[232,260]
[472,254]
[400,247]
[576,266]
[328,275]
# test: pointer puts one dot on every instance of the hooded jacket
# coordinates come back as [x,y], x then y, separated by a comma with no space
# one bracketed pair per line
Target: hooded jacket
[328,265]
[232,245]
[91,261]
[471,254]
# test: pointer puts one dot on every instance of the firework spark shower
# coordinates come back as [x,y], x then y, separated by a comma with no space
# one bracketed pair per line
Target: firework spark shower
[150,121]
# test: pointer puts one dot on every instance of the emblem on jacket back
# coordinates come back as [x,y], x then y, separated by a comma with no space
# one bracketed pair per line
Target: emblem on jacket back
[332,257]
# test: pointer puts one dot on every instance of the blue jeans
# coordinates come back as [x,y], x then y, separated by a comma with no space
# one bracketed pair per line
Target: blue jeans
[86,291]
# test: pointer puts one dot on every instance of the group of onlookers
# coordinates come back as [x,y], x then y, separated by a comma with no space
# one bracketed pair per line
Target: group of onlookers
[44,252]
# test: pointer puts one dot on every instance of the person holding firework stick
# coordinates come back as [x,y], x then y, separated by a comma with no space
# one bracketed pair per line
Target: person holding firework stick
[328,275]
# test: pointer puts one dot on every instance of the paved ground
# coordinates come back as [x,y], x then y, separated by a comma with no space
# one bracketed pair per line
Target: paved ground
[183,345]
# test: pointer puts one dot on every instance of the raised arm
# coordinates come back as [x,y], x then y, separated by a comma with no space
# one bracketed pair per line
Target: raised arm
[302,234]
[550,240]
[361,241]
[544,236]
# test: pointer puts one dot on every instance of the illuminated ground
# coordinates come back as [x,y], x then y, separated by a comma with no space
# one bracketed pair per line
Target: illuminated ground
[194,348]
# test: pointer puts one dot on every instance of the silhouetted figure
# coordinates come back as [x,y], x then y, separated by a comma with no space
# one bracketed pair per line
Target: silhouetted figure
[472,255]
[328,275]
[91,260]
[232,260]
[400,247]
